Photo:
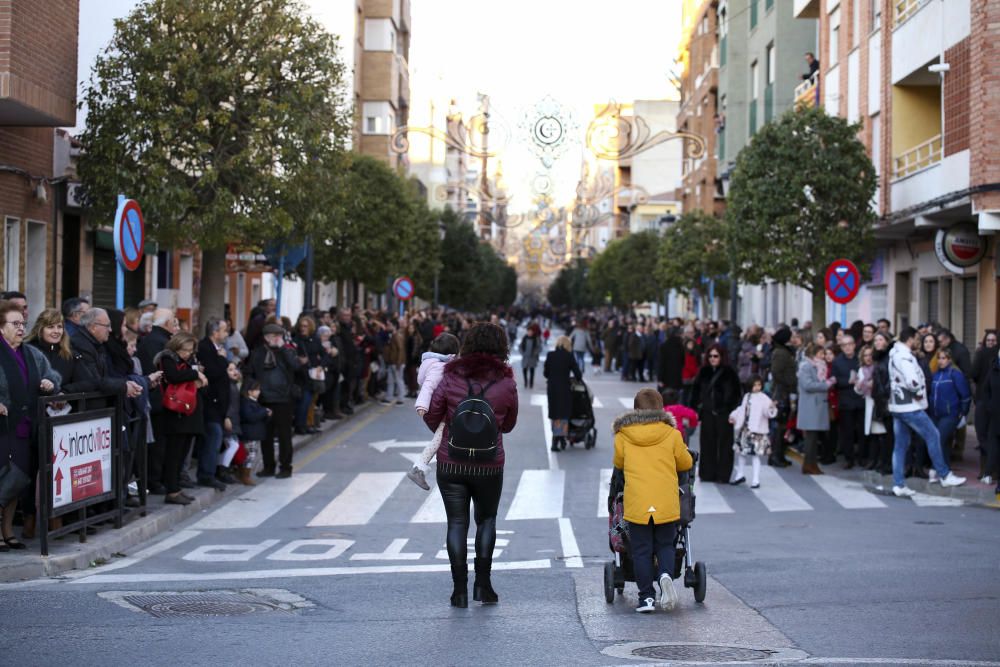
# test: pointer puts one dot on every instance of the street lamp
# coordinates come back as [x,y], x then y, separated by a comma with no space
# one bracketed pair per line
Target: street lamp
[437,271]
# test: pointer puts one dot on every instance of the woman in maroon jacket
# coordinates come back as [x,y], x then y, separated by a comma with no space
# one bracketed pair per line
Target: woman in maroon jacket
[482,361]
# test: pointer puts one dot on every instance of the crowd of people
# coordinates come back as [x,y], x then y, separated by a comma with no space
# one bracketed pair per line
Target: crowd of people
[858,393]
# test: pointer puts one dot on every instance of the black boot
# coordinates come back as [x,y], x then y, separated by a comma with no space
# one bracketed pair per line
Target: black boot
[482,589]
[460,579]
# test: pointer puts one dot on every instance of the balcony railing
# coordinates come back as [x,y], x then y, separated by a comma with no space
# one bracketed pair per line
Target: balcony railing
[807,93]
[904,9]
[917,158]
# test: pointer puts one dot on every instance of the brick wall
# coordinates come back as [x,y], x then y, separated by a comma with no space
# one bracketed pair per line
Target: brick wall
[984,93]
[885,131]
[699,119]
[956,99]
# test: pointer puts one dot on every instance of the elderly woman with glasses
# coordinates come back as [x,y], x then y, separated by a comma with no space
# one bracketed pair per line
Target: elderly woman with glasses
[25,374]
[716,392]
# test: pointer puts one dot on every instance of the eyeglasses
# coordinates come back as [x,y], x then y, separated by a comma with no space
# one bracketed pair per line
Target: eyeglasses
[103,324]
[19,324]
[714,356]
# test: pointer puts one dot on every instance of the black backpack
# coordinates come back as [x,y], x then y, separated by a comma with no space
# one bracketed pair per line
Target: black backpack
[473,430]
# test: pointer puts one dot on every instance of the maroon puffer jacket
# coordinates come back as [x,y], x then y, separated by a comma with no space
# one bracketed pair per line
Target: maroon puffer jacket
[480,369]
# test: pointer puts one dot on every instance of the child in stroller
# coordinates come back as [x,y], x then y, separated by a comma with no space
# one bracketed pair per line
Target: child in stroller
[651,506]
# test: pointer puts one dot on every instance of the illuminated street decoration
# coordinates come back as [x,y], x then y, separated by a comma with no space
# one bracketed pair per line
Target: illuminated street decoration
[551,128]
[611,136]
[480,136]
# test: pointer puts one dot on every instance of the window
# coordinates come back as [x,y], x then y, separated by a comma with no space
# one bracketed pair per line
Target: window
[380,35]
[834,37]
[34,265]
[855,23]
[12,254]
[165,270]
[371,125]
[876,145]
[770,63]
[753,14]
[378,117]
[875,7]
[754,80]
[723,31]
[931,300]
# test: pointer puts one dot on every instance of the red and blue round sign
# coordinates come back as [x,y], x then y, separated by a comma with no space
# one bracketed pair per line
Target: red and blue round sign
[843,281]
[130,234]
[402,287]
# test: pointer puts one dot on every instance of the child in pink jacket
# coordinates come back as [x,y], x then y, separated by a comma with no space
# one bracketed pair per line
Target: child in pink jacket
[685,418]
[443,349]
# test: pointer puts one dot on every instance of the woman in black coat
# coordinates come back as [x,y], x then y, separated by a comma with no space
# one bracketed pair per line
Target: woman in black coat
[559,365]
[991,405]
[49,336]
[715,394]
[178,365]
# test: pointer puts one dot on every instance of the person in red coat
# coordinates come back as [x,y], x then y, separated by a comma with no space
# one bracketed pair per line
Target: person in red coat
[482,362]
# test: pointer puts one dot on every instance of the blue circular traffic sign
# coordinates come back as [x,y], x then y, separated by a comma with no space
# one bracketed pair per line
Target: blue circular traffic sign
[403,288]
[843,281]
[129,234]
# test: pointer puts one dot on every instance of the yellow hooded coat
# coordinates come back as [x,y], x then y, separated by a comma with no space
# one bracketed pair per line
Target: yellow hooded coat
[651,451]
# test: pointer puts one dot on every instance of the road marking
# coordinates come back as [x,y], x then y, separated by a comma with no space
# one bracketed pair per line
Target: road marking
[708,499]
[849,495]
[431,511]
[393,552]
[341,437]
[776,494]
[291,551]
[300,572]
[166,544]
[597,403]
[539,495]
[570,549]
[358,503]
[228,553]
[383,445]
[542,401]
[470,548]
[627,403]
[259,503]
[603,490]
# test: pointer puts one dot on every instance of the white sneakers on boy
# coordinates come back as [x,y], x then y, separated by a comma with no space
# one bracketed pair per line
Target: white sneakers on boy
[668,595]
[646,605]
[903,492]
[952,480]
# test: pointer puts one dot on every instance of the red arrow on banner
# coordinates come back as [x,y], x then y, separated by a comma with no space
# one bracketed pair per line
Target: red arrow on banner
[58,479]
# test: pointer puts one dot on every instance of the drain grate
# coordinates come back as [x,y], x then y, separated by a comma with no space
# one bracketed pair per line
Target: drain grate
[202,605]
[700,653]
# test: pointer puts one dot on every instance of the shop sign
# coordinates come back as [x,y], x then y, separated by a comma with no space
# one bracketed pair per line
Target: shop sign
[959,247]
[81,461]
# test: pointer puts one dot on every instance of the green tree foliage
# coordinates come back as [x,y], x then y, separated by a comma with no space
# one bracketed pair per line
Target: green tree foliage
[624,272]
[799,199]
[570,288]
[603,280]
[473,277]
[691,249]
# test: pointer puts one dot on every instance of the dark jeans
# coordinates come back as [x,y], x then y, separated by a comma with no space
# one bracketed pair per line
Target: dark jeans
[208,450]
[946,427]
[302,408]
[649,540]
[529,376]
[174,453]
[851,433]
[484,492]
[278,426]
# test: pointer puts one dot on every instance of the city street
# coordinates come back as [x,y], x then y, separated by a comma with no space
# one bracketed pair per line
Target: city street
[344,564]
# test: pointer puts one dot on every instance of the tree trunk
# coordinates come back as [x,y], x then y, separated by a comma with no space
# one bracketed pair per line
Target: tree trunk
[212,298]
[818,304]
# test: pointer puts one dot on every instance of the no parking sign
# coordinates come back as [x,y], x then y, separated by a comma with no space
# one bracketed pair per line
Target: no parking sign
[843,281]
[130,234]
[403,288]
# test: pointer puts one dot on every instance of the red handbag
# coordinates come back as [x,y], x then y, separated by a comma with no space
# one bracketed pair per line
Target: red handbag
[181,398]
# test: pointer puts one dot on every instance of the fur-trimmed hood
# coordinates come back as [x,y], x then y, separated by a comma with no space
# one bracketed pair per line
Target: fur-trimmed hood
[479,365]
[637,417]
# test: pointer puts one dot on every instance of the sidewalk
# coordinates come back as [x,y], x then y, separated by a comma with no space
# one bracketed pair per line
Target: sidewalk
[68,553]
[973,492]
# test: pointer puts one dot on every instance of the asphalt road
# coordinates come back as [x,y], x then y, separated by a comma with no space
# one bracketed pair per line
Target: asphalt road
[344,564]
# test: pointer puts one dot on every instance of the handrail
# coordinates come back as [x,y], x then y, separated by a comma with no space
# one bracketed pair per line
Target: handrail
[917,158]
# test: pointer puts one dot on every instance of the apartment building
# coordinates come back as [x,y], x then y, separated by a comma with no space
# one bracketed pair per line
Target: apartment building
[38,53]
[919,76]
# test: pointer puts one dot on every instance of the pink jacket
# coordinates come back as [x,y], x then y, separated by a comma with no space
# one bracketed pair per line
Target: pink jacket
[762,409]
[685,417]
[429,377]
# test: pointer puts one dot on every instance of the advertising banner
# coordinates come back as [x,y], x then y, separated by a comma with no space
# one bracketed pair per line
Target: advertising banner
[81,460]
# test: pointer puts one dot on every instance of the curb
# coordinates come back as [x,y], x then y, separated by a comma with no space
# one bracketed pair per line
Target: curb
[66,554]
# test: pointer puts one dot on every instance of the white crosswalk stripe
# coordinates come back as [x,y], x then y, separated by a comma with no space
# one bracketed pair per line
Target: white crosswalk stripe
[709,500]
[359,502]
[260,503]
[776,494]
[539,495]
[849,495]
[602,492]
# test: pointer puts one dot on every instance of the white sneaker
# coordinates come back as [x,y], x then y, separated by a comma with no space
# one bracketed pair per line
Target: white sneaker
[903,492]
[986,479]
[668,595]
[645,605]
[952,480]
[932,476]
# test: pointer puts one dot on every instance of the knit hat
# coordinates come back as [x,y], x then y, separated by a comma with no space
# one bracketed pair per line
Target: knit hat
[782,336]
[273,329]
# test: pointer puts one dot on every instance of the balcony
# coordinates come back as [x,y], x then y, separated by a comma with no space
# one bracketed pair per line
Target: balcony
[805,9]
[933,179]
[807,94]
[918,29]
[918,158]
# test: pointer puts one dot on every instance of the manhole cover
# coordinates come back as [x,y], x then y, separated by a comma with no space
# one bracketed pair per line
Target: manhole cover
[209,604]
[700,653]
[202,604]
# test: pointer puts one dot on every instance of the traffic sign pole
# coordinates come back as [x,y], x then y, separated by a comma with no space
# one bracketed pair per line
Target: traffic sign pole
[120,269]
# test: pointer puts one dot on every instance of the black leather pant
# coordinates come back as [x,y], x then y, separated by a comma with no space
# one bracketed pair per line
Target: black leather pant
[457,491]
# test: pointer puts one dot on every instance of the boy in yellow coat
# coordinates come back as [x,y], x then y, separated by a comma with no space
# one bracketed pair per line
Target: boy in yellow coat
[650,451]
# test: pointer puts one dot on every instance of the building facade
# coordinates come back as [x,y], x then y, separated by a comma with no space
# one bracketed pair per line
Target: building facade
[38,55]
[918,76]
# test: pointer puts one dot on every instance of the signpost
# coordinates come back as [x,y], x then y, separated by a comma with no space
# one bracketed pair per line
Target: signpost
[843,281]
[130,241]
[402,287]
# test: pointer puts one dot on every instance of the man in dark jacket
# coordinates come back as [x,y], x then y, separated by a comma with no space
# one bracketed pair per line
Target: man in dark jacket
[164,326]
[274,366]
[88,345]
[671,362]
[215,399]
[851,416]
[349,359]
[784,379]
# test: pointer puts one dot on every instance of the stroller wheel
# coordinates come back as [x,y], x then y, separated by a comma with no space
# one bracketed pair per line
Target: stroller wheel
[701,581]
[590,440]
[609,582]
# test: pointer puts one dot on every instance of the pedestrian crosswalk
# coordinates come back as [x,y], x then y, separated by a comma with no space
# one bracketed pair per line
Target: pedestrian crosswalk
[387,497]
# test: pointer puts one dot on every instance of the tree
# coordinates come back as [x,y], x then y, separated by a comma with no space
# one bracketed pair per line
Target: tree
[220,118]
[800,197]
[473,276]
[604,279]
[570,289]
[692,249]
[637,269]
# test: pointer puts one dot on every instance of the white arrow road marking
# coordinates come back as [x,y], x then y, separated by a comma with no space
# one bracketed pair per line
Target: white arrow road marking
[383,445]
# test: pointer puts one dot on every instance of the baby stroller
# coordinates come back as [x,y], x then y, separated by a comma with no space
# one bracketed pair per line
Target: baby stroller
[581,421]
[619,570]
